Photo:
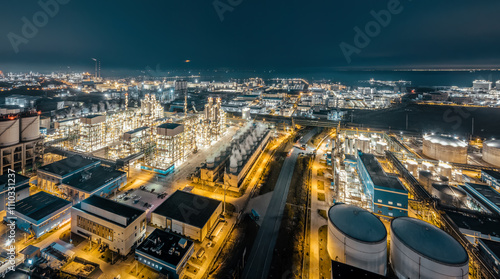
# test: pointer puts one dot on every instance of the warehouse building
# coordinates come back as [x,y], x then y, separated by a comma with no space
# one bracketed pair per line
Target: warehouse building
[100,181]
[165,252]
[491,251]
[389,196]
[187,214]
[20,184]
[41,212]
[485,195]
[50,177]
[117,226]
[475,226]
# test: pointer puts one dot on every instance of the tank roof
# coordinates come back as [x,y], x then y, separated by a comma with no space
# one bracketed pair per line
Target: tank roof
[445,140]
[428,240]
[357,223]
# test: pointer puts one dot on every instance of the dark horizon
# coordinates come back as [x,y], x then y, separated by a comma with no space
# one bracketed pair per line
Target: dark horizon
[260,34]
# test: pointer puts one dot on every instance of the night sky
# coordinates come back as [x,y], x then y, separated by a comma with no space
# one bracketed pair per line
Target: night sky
[263,34]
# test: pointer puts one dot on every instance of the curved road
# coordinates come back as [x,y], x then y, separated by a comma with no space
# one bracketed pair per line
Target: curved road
[261,255]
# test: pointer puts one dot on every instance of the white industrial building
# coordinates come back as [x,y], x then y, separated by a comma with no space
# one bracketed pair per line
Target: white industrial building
[481,85]
[187,214]
[115,225]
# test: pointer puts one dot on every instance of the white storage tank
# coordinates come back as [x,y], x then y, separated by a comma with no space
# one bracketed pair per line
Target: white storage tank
[445,148]
[363,144]
[445,169]
[30,127]
[381,147]
[491,152]
[357,237]
[421,250]
[412,167]
[9,130]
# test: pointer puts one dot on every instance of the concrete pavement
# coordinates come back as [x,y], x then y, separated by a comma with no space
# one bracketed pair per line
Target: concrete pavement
[316,220]
[261,254]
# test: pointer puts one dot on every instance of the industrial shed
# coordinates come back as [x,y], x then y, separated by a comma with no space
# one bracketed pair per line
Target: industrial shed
[187,214]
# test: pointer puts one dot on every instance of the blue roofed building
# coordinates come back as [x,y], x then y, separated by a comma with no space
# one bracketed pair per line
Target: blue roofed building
[77,178]
[388,195]
[51,176]
[40,213]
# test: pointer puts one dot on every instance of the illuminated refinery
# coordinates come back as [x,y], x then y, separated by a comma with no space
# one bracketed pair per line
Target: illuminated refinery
[212,169]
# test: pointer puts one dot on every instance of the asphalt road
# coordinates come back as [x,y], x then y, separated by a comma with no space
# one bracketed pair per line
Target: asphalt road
[259,261]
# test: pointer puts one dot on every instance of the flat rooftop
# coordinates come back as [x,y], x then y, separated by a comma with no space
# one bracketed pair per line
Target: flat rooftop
[169,126]
[129,212]
[18,180]
[188,208]
[169,241]
[492,173]
[40,205]
[493,246]
[137,130]
[68,165]
[377,174]
[92,116]
[485,194]
[93,179]
[475,222]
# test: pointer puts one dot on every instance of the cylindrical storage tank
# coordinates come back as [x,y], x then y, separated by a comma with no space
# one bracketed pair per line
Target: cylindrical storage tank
[380,147]
[412,167]
[364,144]
[425,178]
[30,128]
[428,166]
[491,152]
[347,146]
[445,170]
[449,195]
[421,250]
[9,132]
[357,237]
[445,148]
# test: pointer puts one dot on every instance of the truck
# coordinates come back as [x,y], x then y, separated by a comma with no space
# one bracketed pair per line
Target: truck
[254,215]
